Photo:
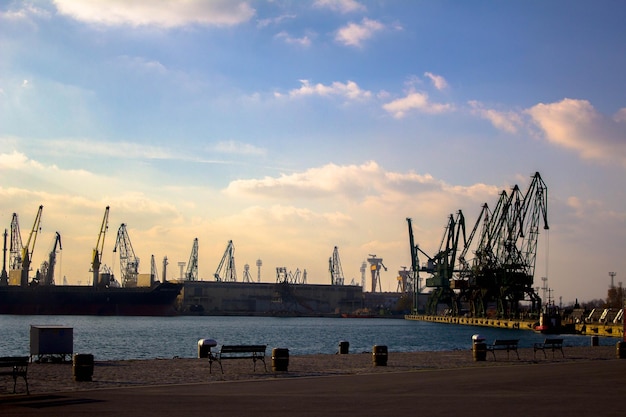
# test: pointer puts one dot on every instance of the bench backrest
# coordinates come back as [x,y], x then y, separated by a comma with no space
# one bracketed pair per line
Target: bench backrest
[6,361]
[243,349]
[505,342]
[553,342]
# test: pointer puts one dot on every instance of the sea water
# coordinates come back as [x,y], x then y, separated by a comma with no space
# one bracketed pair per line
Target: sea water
[119,338]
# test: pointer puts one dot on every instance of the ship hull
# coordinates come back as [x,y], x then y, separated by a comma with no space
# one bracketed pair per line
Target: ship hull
[158,300]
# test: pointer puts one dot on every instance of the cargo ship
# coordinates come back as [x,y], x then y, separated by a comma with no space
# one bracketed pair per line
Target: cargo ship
[158,300]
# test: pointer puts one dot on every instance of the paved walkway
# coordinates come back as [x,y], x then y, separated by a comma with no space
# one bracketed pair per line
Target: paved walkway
[585,388]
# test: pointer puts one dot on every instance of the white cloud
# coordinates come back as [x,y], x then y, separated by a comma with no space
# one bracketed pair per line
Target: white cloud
[576,125]
[354,34]
[341,6]
[438,81]
[620,116]
[167,14]
[124,150]
[284,36]
[349,90]
[234,147]
[24,12]
[262,23]
[507,121]
[415,101]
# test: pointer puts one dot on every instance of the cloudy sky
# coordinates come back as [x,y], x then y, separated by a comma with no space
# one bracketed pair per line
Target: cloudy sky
[292,127]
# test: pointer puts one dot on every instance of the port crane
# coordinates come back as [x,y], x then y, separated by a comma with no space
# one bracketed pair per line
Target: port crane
[15,251]
[192,266]
[375,266]
[29,248]
[97,251]
[226,269]
[129,262]
[334,267]
[46,271]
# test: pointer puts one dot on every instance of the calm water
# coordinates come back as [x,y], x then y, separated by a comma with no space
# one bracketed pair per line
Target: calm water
[115,338]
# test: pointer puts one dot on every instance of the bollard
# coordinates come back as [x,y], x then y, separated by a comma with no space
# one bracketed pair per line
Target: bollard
[82,367]
[344,347]
[621,350]
[379,355]
[594,340]
[280,359]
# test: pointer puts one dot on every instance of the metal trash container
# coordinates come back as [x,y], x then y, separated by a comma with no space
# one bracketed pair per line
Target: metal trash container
[82,367]
[479,348]
[344,347]
[379,355]
[204,347]
[280,359]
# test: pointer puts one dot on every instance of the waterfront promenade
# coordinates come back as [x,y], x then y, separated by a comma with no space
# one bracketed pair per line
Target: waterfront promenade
[589,381]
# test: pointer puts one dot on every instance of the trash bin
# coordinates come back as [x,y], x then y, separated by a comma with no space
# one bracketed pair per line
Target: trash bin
[82,367]
[280,359]
[344,347]
[621,350]
[379,355]
[479,348]
[594,341]
[204,347]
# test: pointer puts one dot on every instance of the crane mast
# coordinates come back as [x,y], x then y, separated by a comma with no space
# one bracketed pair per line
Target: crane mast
[15,250]
[97,251]
[129,263]
[29,248]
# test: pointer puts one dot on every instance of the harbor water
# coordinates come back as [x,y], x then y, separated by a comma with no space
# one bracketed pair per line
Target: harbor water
[121,338]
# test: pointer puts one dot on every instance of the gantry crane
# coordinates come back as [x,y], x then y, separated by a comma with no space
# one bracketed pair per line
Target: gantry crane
[97,251]
[129,262]
[46,271]
[4,277]
[375,266]
[334,267]
[192,266]
[29,248]
[226,269]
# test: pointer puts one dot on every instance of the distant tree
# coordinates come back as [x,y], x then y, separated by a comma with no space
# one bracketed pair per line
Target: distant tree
[615,298]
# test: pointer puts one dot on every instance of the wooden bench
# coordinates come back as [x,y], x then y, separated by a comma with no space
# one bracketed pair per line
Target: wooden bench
[503,344]
[553,344]
[254,352]
[18,367]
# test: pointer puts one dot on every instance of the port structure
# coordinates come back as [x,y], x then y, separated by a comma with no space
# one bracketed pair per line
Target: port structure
[334,267]
[46,270]
[503,242]
[129,262]
[15,249]
[375,266]
[226,270]
[191,274]
[26,251]
[97,251]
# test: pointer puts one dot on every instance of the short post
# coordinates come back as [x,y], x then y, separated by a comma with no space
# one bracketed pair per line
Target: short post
[594,340]
[344,347]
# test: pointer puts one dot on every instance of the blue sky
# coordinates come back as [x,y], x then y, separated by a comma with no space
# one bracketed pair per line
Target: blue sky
[291,127]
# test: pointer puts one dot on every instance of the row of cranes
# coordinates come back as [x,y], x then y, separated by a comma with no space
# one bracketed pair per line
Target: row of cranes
[504,245]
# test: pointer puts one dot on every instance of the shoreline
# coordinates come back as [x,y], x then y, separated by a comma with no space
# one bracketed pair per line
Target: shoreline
[47,378]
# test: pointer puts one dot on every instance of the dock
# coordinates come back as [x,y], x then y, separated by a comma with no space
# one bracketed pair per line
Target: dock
[583,328]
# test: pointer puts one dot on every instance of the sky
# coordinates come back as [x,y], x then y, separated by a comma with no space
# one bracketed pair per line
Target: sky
[292,127]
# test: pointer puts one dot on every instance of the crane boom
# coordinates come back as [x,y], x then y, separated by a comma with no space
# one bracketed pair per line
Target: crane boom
[192,266]
[97,251]
[226,269]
